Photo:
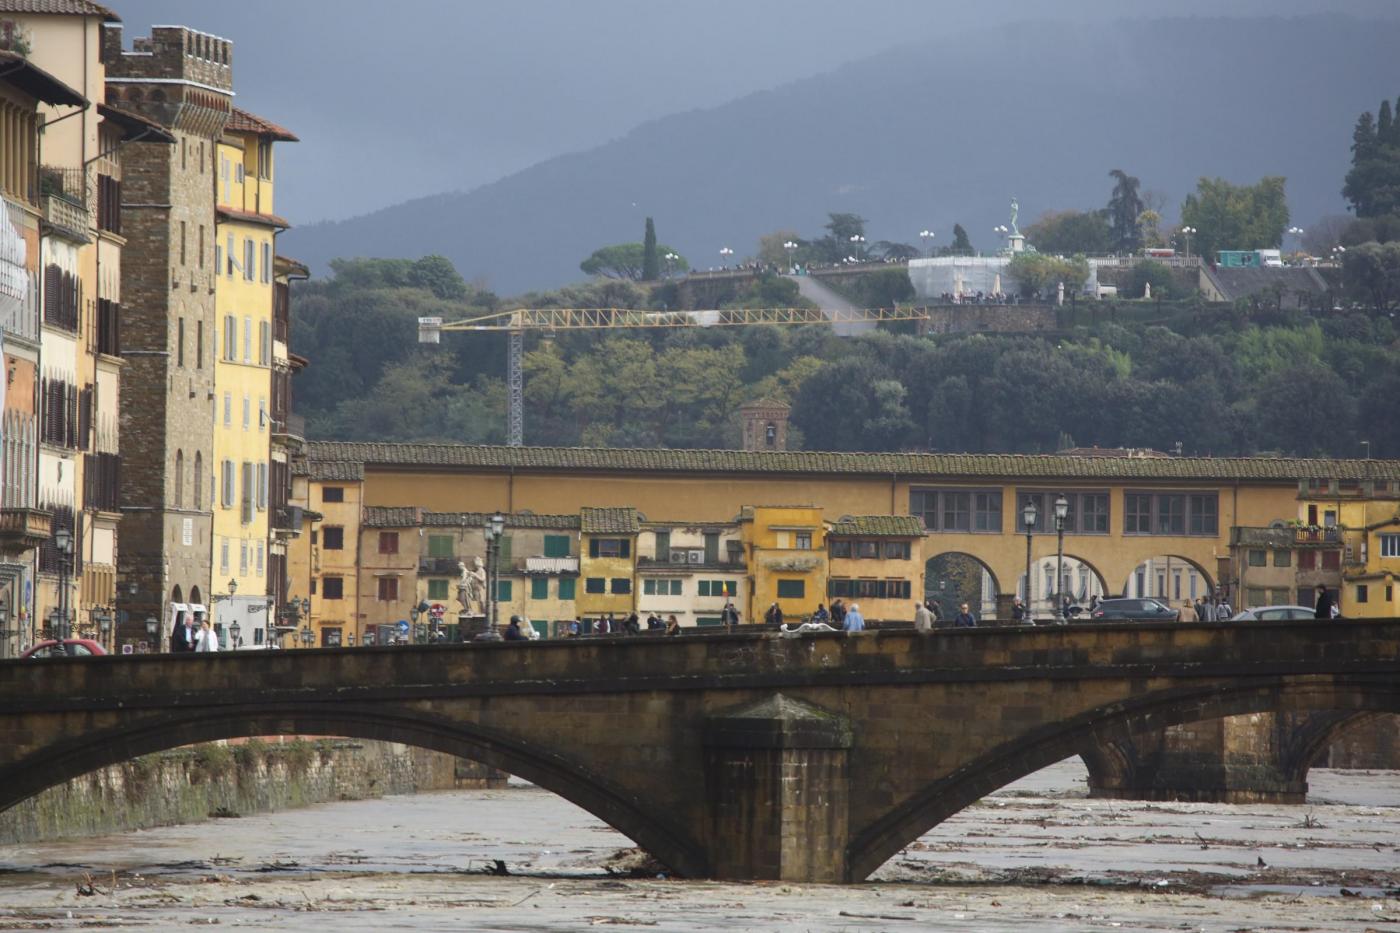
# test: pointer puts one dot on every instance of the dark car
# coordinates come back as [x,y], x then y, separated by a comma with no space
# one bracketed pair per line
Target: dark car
[1134,610]
[68,648]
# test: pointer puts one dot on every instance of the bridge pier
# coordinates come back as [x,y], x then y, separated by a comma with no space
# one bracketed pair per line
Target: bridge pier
[778,790]
[1256,758]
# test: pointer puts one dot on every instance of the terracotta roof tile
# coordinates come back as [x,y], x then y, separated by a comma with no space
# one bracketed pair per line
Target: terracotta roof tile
[335,471]
[378,516]
[609,521]
[241,121]
[918,465]
[878,526]
[233,213]
[60,7]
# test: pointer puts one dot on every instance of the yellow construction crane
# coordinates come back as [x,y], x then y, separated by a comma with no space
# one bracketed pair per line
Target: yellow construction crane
[517,321]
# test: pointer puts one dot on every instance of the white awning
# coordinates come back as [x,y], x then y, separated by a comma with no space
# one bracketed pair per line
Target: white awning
[198,609]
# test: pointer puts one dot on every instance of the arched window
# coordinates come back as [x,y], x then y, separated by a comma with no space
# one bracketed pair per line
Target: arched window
[179,479]
[772,435]
[194,596]
[198,481]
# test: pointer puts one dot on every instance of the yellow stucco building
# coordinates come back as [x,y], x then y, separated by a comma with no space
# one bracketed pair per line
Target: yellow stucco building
[786,551]
[877,562]
[244,249]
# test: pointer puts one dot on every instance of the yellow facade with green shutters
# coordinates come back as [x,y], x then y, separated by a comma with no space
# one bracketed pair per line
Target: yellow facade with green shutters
[242,352]
[786,551]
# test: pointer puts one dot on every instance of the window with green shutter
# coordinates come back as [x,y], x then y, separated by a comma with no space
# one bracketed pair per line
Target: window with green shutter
[503,590]
[595,585]
[792,589]
[566,587]
[437,589]
[539,588]
[556,545]
[504,552]
[439,545]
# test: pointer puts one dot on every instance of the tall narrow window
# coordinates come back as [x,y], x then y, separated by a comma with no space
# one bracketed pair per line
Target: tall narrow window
[229,253]
[179,479]
[182,243]
[180,342]
[247,340]
[201,246]
[249,259]
[199,344]
[198,480]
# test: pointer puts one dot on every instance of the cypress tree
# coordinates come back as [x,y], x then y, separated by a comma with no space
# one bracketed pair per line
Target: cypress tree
[651,263]
[1383,123]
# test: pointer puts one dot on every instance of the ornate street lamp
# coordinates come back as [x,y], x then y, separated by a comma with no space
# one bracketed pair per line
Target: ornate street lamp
[926,235]
[857,241]
[234,631]
[724,254]
[104,626]
[791,247]
[1030,513]
[153,630]
[1061,513]
[307,636]
[495,528]
[1187,233]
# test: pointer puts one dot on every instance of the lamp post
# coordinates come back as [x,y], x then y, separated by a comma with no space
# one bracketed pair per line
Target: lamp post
[1030,513]
[153,631]
[63,543]
[1298,232]
[857,244]
[307,636]
[1187,232]
[724,254]
[926,235]
[234,630]
[413,614]
[495,529]
[1061,513]
[791,247]
[104,627]
[671,263]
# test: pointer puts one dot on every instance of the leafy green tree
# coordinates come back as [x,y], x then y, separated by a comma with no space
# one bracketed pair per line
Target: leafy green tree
[1373,270]
[1039,273]
[841,227]
[1069,232]
[771,251]
[624,261]
[438,275]
[651,261]
[847,406]
[884,288]
[1124,206]
[1305,411]
[1227,216]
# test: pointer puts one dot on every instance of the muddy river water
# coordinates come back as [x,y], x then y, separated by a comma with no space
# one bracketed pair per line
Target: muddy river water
[1036,853]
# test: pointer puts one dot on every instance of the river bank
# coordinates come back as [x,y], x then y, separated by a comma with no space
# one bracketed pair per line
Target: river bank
[1037,852]
[217,780]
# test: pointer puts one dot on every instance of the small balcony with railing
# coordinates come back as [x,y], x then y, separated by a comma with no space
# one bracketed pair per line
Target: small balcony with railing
[63,195]
[289,430]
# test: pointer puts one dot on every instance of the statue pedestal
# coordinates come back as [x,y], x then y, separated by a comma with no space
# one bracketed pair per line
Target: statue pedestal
[470,625]
[1016,242]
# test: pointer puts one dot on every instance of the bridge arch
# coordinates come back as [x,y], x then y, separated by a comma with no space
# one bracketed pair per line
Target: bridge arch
[1043,746]
[620,809]
[954,577]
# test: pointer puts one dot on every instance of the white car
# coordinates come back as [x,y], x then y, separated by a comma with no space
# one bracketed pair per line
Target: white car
[1273,614]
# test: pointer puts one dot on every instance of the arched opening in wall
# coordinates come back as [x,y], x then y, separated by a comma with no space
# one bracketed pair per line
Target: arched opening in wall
[1173,581]
[179,479]
[198,481]
[1060,749]
[177,594]
[649,823]
[1081,582]
[195,596]
[954,578]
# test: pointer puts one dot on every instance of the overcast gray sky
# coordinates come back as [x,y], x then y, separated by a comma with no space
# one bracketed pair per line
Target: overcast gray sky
[401,100]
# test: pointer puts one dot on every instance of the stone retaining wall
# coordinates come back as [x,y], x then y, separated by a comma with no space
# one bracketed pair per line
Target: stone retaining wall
[204,781]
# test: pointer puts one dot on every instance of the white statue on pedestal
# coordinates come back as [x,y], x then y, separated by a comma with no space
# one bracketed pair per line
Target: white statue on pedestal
[471,587]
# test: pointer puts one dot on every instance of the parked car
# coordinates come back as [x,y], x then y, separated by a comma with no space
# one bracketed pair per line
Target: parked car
[1273,614]
[68,648]
[1134,610]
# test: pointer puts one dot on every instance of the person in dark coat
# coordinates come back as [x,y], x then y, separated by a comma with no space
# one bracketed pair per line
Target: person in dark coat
[633,625]
[1324,603]
[774,615]
[182,637]
[965,618]
[513,632]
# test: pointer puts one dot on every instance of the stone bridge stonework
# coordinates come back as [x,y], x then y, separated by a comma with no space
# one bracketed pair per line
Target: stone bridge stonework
[746,756]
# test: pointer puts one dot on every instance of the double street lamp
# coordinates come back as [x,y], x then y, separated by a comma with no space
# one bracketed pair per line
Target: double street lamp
[926,235]
[1187,232]
[791,247]
[857,245]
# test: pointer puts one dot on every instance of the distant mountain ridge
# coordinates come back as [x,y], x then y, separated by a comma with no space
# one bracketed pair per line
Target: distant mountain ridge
[926,135]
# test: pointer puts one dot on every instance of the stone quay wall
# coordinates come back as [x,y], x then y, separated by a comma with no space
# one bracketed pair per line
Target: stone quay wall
[201,782]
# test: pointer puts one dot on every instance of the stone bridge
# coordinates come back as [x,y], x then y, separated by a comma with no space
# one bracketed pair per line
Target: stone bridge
[747,756]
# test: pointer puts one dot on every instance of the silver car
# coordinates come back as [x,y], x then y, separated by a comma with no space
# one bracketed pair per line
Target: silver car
[1273,614]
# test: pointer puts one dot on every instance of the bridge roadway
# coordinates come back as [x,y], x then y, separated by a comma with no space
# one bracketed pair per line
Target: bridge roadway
[748,756]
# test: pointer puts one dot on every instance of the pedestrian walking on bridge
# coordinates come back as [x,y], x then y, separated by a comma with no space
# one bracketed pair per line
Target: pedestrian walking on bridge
[854,621]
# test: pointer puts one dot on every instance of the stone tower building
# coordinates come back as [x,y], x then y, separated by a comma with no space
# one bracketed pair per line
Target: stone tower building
[765,424]
[183,80]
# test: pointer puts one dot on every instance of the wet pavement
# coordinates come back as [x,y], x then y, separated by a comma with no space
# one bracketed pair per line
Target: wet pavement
[1038,852]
